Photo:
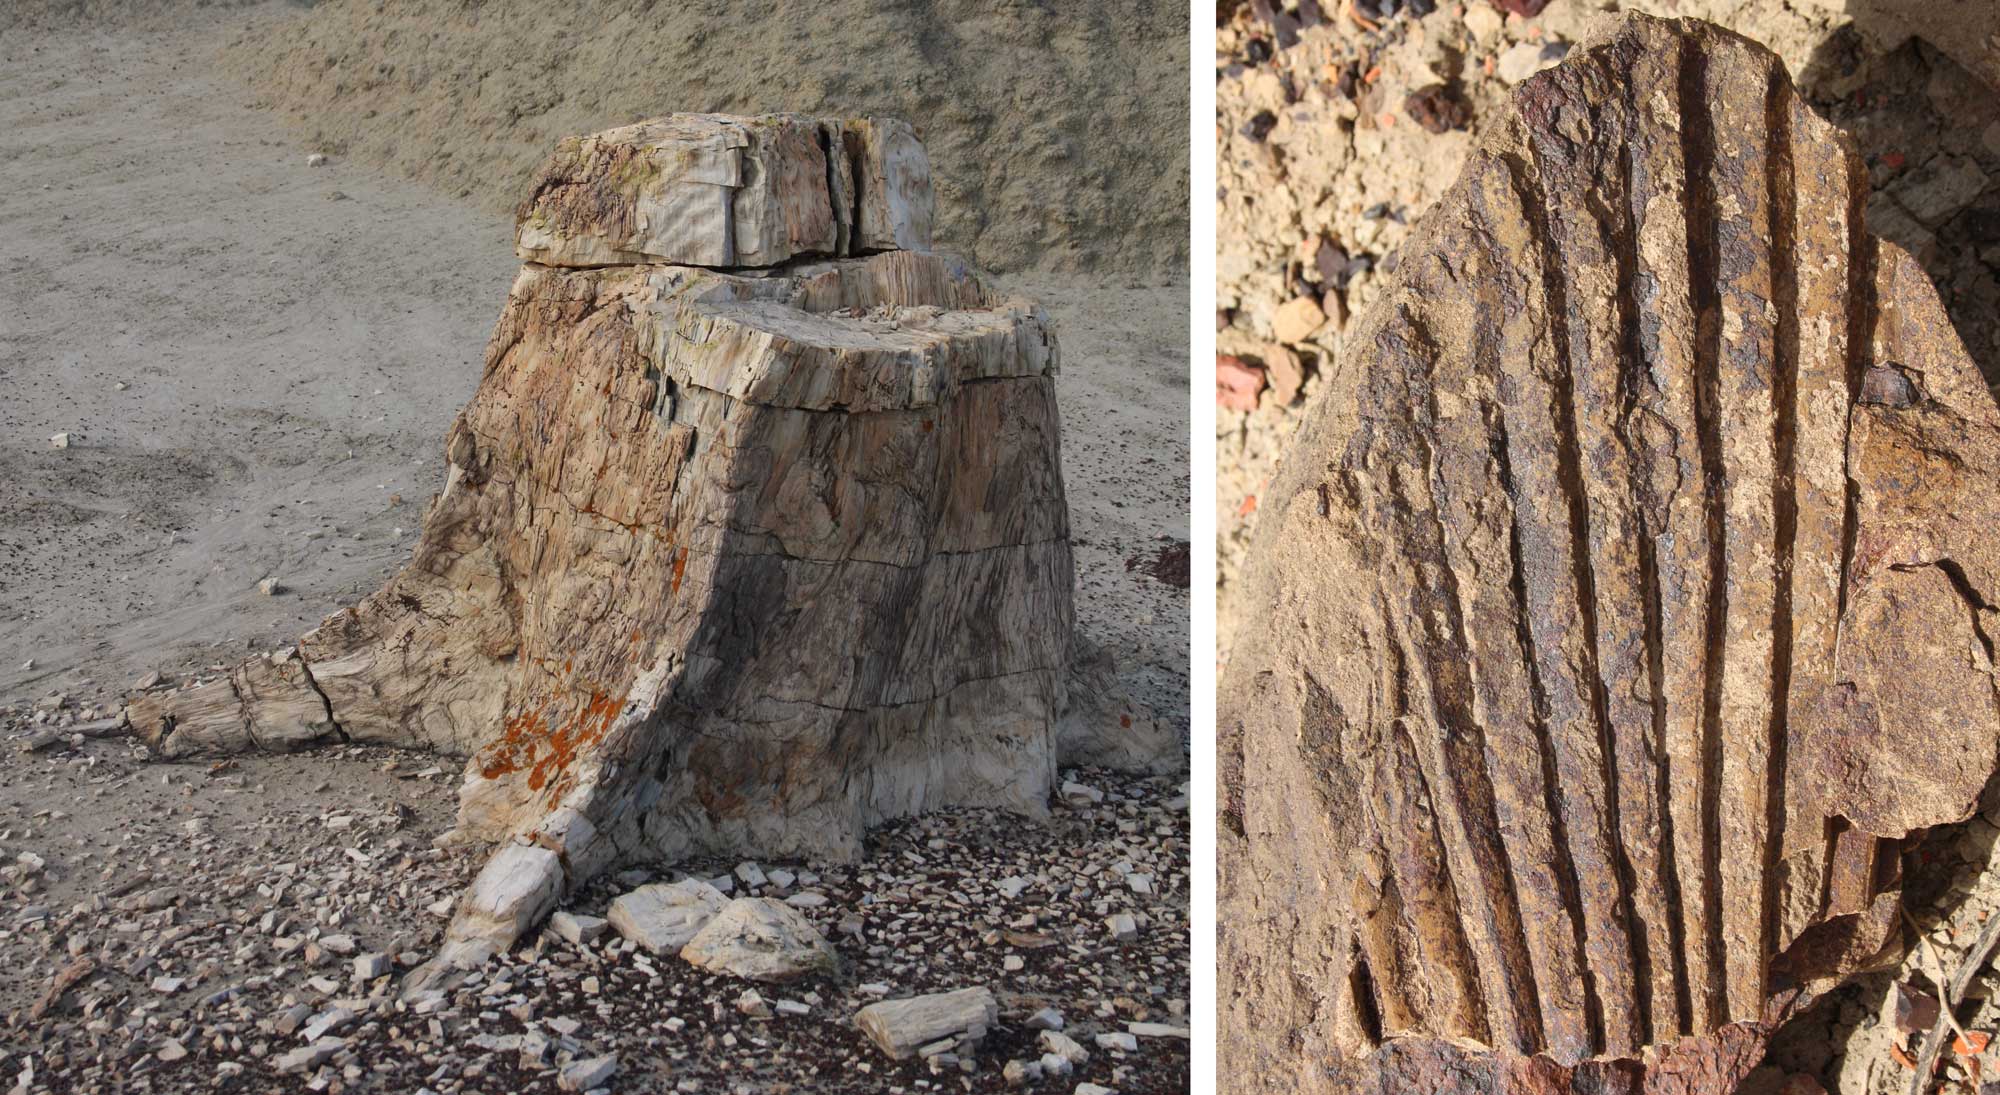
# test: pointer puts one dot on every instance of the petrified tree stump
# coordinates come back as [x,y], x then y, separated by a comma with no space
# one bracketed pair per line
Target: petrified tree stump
[1624,601]
[754,533]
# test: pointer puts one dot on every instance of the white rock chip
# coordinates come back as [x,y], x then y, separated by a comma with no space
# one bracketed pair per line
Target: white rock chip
[665,916]
[1046,1019]
[307,1058]
[588,1074]
[761,940]
[1062,1045]
[752,1004]
[1124,927]
[1079,794]
[1118,1040]
[900,1027]
[576,927]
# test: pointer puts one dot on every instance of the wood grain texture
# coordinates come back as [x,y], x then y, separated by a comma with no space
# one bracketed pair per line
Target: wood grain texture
[733,562]
[1618,599]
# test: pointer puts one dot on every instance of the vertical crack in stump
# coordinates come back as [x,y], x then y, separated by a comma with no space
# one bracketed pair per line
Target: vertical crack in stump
[1618,595]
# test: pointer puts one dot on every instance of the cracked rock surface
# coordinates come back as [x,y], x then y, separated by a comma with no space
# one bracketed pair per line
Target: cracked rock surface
[1620,586]
[726,560]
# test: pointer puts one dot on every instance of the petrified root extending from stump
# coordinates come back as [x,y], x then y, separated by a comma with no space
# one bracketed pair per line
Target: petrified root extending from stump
[732,560]
[1624,601]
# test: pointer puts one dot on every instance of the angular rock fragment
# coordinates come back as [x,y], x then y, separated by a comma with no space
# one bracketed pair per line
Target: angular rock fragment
[664,916]
[899,1027]
[759,939]
[1622,603]
[576,928]
[753,535]
[587,1074]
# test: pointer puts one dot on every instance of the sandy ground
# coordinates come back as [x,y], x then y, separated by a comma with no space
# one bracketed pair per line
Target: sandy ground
[1058,129]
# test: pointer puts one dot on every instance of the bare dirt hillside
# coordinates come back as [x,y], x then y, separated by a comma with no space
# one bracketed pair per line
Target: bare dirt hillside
[1058,131]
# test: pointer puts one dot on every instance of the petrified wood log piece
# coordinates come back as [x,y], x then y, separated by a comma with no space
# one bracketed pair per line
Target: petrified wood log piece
[1623,602]
[732,560]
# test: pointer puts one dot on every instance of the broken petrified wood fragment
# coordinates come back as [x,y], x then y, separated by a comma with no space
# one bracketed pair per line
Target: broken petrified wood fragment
[1623,601]
[738,561]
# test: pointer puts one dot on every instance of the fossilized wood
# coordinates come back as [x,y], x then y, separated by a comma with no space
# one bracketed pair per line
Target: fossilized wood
[711,190]
[901,1027]
[730,561]
[1624,600]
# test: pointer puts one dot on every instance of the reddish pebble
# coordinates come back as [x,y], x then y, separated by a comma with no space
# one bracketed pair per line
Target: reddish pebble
[1237,382]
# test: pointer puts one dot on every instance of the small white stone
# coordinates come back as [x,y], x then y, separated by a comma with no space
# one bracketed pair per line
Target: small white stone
[576,927]
[1482,21]
[269,587]
[588,1074]
[1021,1073]
[1012,963]
[1056,1043]
[752,1004]
[367,967]
[1118,1040]
[1124,927]
[171,1051]
[1078,794]
[1046,1019]
[59,441]
[1140,883]
[751,874]
[317,159]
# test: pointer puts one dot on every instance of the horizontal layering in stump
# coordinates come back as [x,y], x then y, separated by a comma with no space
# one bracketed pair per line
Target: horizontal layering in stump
[1624,601]
[753,535]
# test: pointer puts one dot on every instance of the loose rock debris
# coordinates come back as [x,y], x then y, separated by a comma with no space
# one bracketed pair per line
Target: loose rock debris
[264,926]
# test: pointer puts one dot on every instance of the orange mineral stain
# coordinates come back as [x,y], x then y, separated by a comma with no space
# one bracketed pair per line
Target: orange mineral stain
[680,567]
[527,741]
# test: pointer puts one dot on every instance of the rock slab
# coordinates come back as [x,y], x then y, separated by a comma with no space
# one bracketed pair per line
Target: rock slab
[900,1027]
[1544,742]
[759,939]
[664,916]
